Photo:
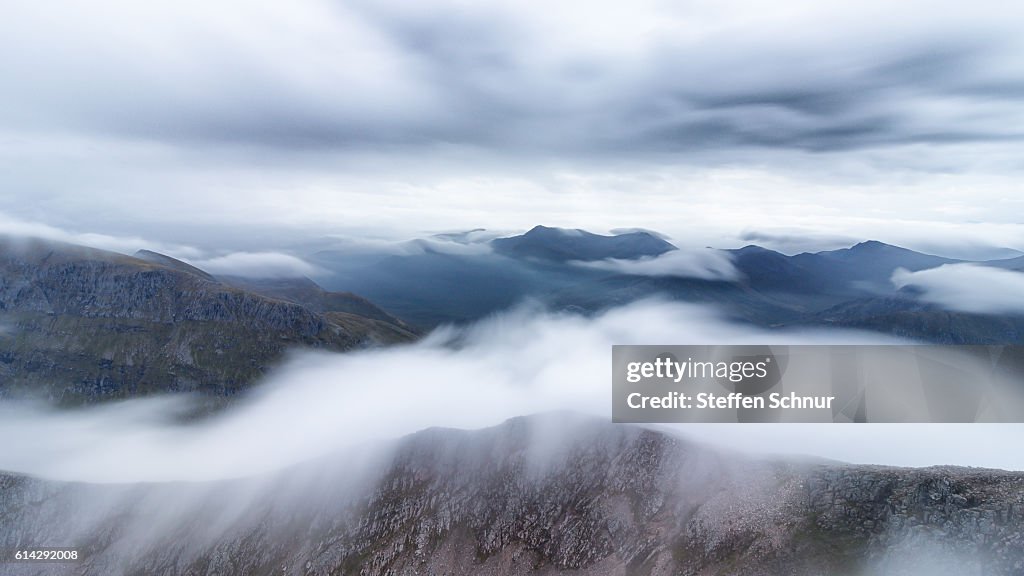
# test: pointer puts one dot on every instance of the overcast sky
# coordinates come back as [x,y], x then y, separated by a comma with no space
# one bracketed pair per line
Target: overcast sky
[244,125]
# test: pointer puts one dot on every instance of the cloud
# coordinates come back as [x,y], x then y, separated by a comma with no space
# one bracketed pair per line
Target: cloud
[474,247]
[796,241]
[967,288]
[523,362]
[387,119]
[706,264]
[655,233]
[474,236]
[965,240]
[122,244]
[504,76]
[248,264]
[257,265]
[469,243]
[314,441]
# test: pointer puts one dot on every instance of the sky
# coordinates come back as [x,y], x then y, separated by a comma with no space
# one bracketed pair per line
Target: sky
[202,126]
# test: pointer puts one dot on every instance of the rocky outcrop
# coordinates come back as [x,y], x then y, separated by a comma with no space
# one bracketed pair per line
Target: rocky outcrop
[539,495]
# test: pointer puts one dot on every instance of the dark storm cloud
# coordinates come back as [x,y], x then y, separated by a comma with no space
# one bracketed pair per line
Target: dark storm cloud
[380,76]
[727,92]
[814,98]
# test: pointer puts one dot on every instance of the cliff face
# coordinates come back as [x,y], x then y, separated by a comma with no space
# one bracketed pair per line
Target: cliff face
[81,325]
[537,495]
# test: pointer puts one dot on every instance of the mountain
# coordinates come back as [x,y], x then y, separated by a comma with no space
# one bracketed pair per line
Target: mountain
[172,263]
[562,245]
[866,266]
[852,288]
[906,317]
[862,269]
[1008,264]
[736,300]
[771,271]
[83,325]
[309,294]
[433,288]
[776,289]
[344,306]
[545,494]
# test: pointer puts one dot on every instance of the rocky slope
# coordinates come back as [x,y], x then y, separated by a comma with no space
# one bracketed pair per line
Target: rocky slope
[309,294]
[82,325]
[539,495]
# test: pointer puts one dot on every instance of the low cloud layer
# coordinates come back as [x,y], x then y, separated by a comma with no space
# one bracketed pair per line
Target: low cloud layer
[16,227]
[706,264]
[257,265]
[265,264]
[455,244]
[967,288]
[523,362]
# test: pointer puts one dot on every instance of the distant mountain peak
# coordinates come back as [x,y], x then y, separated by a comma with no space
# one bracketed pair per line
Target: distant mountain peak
[752,249]
[871,244]
[875,246]
[876,249]
[565,244]
[541,230]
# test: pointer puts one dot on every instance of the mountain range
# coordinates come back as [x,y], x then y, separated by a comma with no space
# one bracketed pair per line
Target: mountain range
[79,324]
[850,287]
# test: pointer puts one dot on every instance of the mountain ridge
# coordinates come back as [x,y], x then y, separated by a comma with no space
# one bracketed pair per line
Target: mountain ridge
[544,494]
[88,325]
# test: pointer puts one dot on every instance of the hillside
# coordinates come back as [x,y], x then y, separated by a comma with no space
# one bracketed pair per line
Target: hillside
[83,325]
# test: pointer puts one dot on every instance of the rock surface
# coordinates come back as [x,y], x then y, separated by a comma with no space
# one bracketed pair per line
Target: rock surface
[537,495]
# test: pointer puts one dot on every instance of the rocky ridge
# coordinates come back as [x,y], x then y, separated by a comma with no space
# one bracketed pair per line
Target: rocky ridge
[543,495]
